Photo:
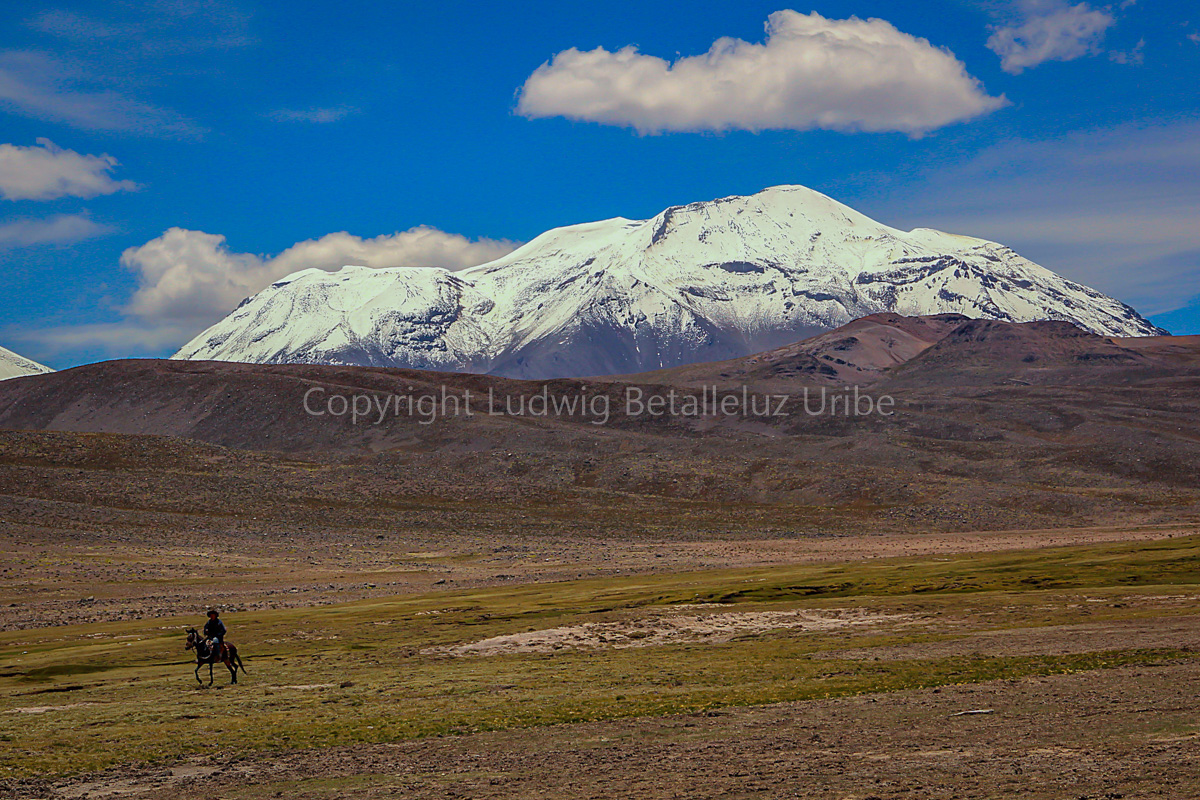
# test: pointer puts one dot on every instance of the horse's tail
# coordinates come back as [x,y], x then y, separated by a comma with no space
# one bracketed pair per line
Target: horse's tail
[238,658]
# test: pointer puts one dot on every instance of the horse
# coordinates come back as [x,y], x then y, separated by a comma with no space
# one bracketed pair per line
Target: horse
[228,656]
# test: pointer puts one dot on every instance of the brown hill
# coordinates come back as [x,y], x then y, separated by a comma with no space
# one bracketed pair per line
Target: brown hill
[980,435]
[251,406]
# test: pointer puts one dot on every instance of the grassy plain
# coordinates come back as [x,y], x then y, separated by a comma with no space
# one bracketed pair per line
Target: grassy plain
[88,697]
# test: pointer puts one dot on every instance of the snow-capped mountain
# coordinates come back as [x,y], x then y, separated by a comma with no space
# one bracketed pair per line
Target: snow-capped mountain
[700,282]
[15,366]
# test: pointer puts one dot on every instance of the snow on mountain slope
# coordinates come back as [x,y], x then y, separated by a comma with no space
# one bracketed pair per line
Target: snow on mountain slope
[700,282]
[15,366]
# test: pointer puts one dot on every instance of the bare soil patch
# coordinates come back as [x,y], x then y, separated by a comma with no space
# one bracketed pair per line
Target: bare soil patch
[1121,733]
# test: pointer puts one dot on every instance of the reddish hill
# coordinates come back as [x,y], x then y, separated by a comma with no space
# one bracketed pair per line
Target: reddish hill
[857,353]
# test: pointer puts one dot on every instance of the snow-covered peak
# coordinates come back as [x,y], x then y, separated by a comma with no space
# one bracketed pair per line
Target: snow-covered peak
[703,281]
[15,366]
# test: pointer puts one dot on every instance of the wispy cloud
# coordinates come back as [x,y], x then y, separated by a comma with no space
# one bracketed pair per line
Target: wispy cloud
[1135,56]
[92,69]
[77,27]
[59,230]
[152,28]
[315,115]
[39,85]
[109,339]
[1113,208]
[47,172]
[1051,31]
[810,73]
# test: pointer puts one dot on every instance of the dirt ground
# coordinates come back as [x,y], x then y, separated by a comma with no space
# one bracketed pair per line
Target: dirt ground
[111,538]
[86,547]
[1120,733]
[55,577]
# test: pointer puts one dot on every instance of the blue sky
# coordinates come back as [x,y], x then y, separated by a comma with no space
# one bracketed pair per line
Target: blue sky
[1069,131]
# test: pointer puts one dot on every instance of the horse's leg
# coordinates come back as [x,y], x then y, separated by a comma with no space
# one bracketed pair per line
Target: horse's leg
[199,664]
[210,675]
[232,671]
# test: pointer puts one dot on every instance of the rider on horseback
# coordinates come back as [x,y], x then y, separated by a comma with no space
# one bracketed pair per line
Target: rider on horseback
[214,632]
[211,648]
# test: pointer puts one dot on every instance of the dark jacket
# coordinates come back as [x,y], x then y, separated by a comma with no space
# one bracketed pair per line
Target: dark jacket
[214,629]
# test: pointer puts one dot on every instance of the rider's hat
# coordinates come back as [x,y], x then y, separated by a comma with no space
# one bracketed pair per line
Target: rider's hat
[212,612]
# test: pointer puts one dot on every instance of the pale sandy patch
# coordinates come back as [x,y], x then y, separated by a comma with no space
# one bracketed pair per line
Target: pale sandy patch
[668,628]
[44,709]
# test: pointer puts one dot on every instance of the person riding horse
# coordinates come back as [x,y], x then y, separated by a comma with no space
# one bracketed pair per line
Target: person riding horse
[214,632]
[211,648]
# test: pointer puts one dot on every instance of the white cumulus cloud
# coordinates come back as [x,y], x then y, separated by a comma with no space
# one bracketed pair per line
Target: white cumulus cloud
[192,277]
[47,172]
[811,72]
[1052,31]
